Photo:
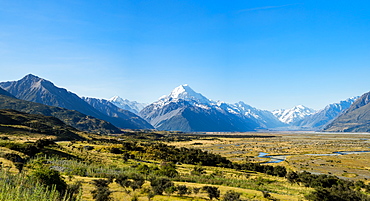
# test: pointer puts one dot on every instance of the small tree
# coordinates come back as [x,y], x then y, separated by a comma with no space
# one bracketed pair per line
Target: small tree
[137,181]
[292,177]
[150,195]
[101,191]
[160,184]
[168,170]
[231,196]
[73,191]
[144,169]
[212,191]
[198,170]
[19,166]
[266,194]
[49,178]
[196,190]
[41,143]
[134,180]
[182,190]
[170,190]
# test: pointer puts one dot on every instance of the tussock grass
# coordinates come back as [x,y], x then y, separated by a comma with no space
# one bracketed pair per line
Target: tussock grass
[20,188]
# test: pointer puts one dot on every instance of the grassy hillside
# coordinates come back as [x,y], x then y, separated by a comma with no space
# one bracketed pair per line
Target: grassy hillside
[145,166]
[17,123]
[69,117]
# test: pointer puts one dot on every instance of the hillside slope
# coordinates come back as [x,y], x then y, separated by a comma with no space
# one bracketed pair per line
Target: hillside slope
[69,117]
[110,109]
[355,119]
[39,90]
[321,118]
[15,122]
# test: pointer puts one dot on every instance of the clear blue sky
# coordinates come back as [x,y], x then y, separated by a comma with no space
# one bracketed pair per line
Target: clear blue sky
[269,54]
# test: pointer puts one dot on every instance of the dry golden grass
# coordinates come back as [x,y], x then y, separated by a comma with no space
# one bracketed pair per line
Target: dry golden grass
[238,149]
[294,146]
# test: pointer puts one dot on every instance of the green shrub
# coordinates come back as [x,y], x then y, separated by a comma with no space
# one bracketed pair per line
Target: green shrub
[49,178]
[23,188]
[231,196]
[101,191]
[182,190]
[212,191]
[160,184]
[168,170]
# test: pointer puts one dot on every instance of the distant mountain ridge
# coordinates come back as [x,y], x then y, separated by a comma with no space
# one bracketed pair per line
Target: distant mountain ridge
[39,90]
[355,119]
[69,117]
[125,104]
[183,110]
[110,109]
[186,110]
[321,118]
[264,118]
[290,116]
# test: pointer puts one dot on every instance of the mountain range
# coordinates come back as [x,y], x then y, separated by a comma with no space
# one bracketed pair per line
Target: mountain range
[320,119]
[70,117]
[35,89]
[182,110]
[108,108]
[355,119]
[186,110]
[291,116]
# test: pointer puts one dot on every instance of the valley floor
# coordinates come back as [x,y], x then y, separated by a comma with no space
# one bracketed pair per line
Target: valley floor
[315,152]
[145,155]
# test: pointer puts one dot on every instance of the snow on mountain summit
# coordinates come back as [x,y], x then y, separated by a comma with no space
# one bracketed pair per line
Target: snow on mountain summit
[184,92]
[125,104]
[185,105]
[293,115]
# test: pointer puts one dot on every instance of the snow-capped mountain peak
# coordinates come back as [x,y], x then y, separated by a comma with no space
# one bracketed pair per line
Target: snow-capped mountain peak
[293,115]
[125,104]
[115,99]
[325,116]
[184,92]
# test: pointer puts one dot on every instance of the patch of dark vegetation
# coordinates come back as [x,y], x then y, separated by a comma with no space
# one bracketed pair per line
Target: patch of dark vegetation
[70,117]
[23,123]
[328,187]
[30,149]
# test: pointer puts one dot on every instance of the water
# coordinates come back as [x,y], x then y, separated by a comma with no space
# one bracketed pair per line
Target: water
[273,159]
[281,158]
[350,152]
[263,155]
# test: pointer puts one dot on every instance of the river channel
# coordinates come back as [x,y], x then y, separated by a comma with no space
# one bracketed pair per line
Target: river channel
[281,158]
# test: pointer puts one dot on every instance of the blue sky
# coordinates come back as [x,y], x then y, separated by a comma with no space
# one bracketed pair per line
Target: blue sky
[269,54]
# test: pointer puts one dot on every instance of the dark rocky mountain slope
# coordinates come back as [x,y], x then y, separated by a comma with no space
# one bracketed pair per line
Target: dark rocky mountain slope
[70,117]
[108,108]
[39,90]
[355,119]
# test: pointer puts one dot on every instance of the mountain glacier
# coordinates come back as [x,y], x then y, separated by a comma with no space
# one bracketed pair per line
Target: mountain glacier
[290,116]
[186,110]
